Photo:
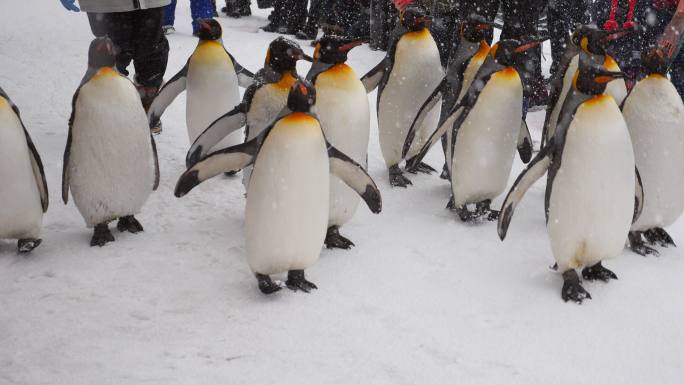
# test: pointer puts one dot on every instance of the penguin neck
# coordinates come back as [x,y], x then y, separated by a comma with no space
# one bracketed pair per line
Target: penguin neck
[287,79]
[418,34]
[104,72]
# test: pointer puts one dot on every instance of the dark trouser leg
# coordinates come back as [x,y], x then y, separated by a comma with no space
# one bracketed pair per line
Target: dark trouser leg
[119,26]
[170,13]
[151,49]
[444,28]
[200,9]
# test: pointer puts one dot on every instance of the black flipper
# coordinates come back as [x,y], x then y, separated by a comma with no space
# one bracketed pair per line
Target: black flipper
[67,148]
[531,174]
[245,77]
[434,98]
[219,129]
[524,143]
[372,79]
[36,162]
[354,176]
[156,164]
[638,195]
[166,95]
[230,159]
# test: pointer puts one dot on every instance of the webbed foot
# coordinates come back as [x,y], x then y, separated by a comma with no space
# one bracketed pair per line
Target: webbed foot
[297,281]
[413,166]
[28,244]
[572,288]
[658,235]
[636,244]
[333,239]
[266,284]
[397,178]
[101,235]
[598,272]
[130,224]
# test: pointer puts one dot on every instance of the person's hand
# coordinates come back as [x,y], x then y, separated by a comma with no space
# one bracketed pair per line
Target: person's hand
[401,4]
[69,5]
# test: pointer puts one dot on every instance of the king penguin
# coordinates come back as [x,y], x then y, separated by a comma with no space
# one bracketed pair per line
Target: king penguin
[110,160]
[288,195]
[587,40]
[483,139]
[211,77]
[261,103]
[24,192]
[342,108]
[591,187]
[654,113]
[405,78]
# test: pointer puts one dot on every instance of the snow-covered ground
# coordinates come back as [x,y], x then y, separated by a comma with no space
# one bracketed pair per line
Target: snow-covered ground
[422,299]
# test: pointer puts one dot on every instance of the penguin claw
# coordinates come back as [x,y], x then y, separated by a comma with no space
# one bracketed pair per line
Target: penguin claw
[572,288]
[266,284]
[101,235]
[25,246]
[636,244]
[297,281]
[598,272]
[130,224]
[333,240]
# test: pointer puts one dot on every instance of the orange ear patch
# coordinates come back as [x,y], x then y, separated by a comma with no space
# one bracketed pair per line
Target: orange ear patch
[610,64]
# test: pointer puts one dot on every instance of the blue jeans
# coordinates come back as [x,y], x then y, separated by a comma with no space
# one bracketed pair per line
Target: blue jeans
[199,9]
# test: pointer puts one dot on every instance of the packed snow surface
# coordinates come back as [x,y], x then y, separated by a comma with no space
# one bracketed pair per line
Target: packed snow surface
[422,298]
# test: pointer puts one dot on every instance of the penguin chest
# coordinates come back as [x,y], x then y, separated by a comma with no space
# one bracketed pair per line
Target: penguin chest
[655,116]
[470,72]
[287,201]
[616,87]
[591,197]
[111,166]
[21,214]
[416,72]
[212,90]
[342,108]
[567,84]
[486,140]
[265,106]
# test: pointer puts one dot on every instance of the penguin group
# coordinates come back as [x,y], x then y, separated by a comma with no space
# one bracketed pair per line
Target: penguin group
[612,157]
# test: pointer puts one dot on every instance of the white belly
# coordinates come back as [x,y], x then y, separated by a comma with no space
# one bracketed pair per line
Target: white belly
[655,116]
[21,215]
[486,141]
[287,202]
[111,165]
[567,83]
[345,118]
[592,197]
[212,90]
[417,71]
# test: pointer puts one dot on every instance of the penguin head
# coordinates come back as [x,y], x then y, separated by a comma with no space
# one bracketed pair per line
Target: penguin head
[505,51]
[474,29]
[101,53]
[333,49]
[593,79]
[414,18]
[283,54]
[654,61]
[209,29]
[594,40]
[302,96]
